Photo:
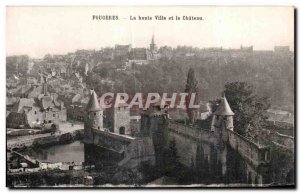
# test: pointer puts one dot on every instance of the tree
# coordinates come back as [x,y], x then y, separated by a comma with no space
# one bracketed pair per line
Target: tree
[281,165]
[249,108]
[104,72]
[191,87]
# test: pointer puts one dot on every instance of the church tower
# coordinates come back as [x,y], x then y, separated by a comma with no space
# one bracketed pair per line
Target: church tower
[93,118]
[222,117]
[153,47]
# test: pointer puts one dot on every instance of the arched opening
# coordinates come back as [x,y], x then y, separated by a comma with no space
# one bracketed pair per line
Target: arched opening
[122,130]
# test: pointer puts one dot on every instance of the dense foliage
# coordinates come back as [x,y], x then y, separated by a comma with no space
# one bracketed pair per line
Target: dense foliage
[249,108]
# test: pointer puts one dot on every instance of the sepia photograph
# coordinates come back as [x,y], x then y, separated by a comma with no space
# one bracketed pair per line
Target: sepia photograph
[150,97]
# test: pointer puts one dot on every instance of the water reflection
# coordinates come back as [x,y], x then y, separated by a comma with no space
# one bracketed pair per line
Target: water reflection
[73,152]
[208,165]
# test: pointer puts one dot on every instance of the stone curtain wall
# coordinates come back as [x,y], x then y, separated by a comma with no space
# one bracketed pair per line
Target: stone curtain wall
[247,149]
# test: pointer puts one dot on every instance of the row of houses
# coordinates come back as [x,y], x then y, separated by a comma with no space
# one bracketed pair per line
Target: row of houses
[34,106]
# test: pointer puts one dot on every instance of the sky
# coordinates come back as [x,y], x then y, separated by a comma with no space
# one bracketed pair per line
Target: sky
[37,31]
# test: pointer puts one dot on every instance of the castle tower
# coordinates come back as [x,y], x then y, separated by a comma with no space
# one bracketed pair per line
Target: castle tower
[93,118]
[154,124]
[121,118]
[223,117]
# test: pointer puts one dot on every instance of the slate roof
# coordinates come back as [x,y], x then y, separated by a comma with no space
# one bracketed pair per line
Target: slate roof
[35,92]
[93,104]
[23,103]
[24,89]
[46,102]
[224,108]
[42,102]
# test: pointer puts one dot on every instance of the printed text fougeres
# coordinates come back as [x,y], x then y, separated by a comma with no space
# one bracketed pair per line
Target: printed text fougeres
[147,18]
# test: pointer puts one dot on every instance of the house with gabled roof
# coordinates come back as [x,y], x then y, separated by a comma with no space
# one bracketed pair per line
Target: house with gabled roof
[34,111]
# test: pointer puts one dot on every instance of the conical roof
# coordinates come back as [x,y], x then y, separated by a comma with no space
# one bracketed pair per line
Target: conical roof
[224,108]
[93,104]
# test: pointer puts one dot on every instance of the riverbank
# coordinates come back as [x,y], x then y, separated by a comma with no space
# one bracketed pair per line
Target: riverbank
[58,139]
[50,141]
[66,134]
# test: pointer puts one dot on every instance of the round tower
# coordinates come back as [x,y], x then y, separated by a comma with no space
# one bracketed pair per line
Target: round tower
[223,116]
[93,118]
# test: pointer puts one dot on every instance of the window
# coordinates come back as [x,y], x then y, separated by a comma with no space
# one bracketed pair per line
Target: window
[122,131]
[35,112]
[53,115]
[50,121]
[95,114]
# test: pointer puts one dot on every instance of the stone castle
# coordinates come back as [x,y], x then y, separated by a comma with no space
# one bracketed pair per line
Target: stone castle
[129,146]
[156,130]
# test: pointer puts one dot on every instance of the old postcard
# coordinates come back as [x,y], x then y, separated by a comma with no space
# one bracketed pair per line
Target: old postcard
[171,96]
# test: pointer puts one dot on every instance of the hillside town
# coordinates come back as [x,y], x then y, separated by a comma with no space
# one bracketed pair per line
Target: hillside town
[62,83]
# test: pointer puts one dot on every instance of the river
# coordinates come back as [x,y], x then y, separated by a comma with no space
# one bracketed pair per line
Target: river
[73,152]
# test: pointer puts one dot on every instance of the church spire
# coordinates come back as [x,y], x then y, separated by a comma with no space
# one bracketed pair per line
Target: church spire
[152,45]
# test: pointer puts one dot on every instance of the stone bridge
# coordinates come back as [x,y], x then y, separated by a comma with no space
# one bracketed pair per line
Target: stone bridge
[124,150]
[111,141]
